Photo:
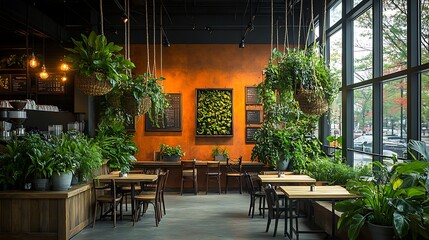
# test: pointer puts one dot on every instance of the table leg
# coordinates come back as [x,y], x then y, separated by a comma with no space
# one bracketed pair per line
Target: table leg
[333,220]
[133,190]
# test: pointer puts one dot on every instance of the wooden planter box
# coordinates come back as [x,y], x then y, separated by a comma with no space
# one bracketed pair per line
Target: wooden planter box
[45,215]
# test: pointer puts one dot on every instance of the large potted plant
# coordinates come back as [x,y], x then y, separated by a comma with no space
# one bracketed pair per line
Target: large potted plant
[42,162]
[98,63]
[66,155]
[116,145]
[88,157]
[171,154]
[394,203]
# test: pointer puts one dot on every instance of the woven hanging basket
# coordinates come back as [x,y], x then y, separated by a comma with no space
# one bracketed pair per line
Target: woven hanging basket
[145,105]
[310,103]
[91,86]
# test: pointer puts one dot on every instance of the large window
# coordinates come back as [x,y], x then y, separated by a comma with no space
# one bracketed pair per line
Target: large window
[362,133]
[395,117]
[424,12]
[362,47]
[425,107]
[394,36]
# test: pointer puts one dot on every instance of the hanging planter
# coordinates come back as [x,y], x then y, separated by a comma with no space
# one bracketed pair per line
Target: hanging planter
[310,103]
[91,86]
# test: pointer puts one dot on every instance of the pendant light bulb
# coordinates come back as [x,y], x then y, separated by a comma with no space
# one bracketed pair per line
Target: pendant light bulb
[33,61]
[43,74]
[64,67]
[64,78]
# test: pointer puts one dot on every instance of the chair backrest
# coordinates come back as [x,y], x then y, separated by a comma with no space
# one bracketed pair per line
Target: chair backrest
[249,183]
[164,183]
[104,187]
[213,167]
[188,165]
[233,167]
[272,200]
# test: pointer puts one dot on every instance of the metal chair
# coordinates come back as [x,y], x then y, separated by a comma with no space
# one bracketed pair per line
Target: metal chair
[189,172]
[234,171]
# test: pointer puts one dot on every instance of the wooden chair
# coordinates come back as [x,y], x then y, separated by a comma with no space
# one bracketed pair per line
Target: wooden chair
[234,171]
[126,189]
[213,171]
[143,200]
[254,193]
[274,208]
[163,190]
[105,193]
[189,172]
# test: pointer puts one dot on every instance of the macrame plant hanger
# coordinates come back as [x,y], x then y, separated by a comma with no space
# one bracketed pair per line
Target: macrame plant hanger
[101,16]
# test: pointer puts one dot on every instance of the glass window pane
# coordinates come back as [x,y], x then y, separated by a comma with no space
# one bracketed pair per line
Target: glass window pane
[335,14]
[362,47]
[335,117]
[394,36]
[335,55]
[362,133]
[316,30]
[425,107]
[356,2]
[395,117]
[424,11]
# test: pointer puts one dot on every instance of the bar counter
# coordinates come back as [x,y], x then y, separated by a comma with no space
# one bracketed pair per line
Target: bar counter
[46,215]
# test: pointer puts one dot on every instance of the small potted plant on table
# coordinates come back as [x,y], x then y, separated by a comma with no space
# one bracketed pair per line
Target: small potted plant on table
[220,154]
[171,154]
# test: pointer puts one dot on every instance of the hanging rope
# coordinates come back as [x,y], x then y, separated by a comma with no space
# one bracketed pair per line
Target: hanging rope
[324,28]
[161,32]
[310,26]
[277,34]
[147,39]
[154,45]
[126,34]
[272,24]
[129,30]
[299,24]
[101,16]
[286,38]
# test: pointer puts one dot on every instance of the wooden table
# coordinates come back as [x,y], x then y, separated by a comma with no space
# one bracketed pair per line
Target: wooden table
[332,193]
[131,179]
[285,179]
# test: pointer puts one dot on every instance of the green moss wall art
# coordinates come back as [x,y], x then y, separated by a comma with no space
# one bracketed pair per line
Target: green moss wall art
[214,112]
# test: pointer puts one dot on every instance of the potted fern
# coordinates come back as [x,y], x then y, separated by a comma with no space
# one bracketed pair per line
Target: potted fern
[98,64]
[220,154]
[171,154]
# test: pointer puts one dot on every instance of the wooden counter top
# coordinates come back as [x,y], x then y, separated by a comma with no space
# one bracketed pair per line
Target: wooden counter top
[30,194]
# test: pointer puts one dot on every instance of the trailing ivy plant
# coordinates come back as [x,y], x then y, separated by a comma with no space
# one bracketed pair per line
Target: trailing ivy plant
[214,112]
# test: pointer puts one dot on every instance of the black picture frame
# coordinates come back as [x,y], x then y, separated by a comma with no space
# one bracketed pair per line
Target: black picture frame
[251,95]
[253,117]
[250,132]
[172,121]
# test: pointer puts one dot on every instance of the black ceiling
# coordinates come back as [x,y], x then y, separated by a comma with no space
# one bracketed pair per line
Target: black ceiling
[184,21]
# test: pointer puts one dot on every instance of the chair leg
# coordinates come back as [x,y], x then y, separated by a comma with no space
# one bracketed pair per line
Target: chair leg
[114,214]
[181,187]
[226,185]
[196,185]
[95,213]
[253,206]
[218,182]
[250,205]
[163,203]
[276,223]
[268,224]
[207,184]
[240,185]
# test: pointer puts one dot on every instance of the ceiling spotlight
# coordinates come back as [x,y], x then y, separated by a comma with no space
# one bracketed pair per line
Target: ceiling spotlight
[124,18]
[241,45]
[166,42]
[209,29]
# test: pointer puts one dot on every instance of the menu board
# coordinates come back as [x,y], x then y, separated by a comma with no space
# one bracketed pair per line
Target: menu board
[251,96]
[253,116]
[19,82]
[5,83]
[53,84]
[250,132]
[172,121]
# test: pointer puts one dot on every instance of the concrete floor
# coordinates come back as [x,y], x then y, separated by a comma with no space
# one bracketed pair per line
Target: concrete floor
[203,216]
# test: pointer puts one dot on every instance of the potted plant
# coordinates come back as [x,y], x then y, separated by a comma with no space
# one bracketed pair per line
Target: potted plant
[116,145]
[220,154]
[394,203]
[13,163]
[88,157]
[42,162]
[171,154]
[66,157]
[98,63]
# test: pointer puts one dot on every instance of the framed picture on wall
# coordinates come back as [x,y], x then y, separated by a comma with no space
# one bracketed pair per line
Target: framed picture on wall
[253,116]
[214,112]
[172,121]
[250,132]
[251,96]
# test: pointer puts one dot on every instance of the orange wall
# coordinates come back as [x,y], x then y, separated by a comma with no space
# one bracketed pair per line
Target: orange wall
[187,67]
